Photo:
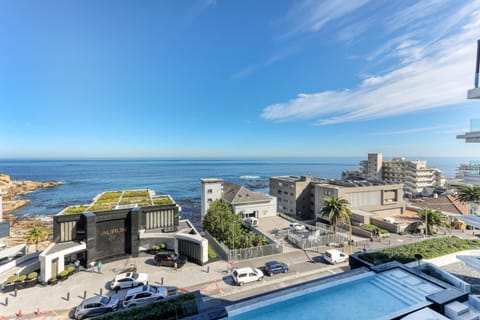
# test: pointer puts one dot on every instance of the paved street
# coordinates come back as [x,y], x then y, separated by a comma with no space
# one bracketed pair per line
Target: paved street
[213,280]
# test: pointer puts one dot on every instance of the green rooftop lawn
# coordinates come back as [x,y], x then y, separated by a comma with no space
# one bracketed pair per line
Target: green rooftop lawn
[161,200]
[136,194]
[103,206]
[428,249]
[76,209]
[111,196]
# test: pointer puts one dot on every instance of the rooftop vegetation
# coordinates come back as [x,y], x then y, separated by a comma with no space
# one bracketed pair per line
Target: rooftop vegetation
[427,249]
[76,209]
[109,200]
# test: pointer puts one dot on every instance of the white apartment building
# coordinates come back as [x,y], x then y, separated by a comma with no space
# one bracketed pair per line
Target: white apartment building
[243,201]
[414,174]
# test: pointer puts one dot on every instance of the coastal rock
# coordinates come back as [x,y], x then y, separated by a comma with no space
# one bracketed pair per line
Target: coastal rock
[13,189]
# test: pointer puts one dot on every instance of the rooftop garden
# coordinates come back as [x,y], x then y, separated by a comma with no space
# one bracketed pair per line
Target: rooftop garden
[427,249]
[109,201]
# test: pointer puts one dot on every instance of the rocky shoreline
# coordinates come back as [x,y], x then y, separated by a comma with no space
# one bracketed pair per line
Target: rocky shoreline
[12,190]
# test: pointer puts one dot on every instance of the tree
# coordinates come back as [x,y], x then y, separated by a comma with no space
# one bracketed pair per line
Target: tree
[434,219]
[35,235]
[470,195]
[335,210]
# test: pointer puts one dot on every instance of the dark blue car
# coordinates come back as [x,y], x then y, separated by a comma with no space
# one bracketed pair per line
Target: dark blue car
[273,267]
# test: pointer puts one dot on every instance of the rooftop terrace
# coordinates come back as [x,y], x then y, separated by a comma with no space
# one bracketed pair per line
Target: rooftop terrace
[111,200]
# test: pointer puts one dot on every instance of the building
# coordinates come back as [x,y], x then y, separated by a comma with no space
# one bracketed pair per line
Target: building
[413,174]
[118,224]
[242,200]
[295,195]
[380,199]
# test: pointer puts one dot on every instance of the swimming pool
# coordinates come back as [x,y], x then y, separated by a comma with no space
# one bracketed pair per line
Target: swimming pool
[365,296]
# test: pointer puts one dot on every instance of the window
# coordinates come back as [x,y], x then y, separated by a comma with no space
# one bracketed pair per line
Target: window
[209,200]
[209,191]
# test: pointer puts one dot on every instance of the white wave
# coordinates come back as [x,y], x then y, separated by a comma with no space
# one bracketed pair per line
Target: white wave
[250,177]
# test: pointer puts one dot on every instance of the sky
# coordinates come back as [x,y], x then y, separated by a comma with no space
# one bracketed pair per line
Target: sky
[206,78]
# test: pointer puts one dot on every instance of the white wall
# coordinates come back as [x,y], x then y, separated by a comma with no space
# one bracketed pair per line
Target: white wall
[46,259]
[266,209]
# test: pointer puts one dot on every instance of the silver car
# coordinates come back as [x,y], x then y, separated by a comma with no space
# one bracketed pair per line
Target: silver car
[144,295]
[95,306]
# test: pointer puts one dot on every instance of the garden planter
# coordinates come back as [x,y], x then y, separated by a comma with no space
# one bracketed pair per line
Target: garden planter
[53,281]
[8,287]
[19,285]
[29,283]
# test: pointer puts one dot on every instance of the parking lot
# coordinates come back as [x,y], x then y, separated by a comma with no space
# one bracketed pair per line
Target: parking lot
[212,280]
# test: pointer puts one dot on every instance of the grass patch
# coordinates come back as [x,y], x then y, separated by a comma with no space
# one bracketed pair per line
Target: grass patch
[372,227]
[111,196]
[136,194]
[429,249]
[76,209]
[161,200]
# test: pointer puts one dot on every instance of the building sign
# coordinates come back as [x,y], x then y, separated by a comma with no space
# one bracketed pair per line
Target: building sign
[111,237]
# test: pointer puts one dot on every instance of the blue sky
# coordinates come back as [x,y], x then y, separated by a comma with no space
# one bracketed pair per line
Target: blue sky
[236,78]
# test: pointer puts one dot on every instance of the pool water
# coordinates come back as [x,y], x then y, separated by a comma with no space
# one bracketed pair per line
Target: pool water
[352,299]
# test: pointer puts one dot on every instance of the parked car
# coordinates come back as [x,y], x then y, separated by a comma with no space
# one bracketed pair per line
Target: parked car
[334,256]
[95,306]
[273,267]
[252,221]
[170,259]
[297,227]
[246,275]
[129,280]
[144,295]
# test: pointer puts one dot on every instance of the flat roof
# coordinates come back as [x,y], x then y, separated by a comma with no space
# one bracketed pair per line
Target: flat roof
[121,199]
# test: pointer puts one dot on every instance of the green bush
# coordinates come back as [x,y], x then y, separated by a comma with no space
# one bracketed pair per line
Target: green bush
[32,275]
[211,253]
[182,306]
[163,245]
[12,278]
[70,269]
[63,274]
[429,249]
[22,278]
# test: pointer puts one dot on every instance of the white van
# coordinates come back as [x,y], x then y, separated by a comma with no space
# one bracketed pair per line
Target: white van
[334,256]
[245,275]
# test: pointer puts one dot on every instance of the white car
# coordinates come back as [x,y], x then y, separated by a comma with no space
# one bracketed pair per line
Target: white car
[144,295]
[334,256]
[297,227]
[129,280]
[244,275]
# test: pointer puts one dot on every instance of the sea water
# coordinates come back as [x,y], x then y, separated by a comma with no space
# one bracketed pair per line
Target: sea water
[83,179]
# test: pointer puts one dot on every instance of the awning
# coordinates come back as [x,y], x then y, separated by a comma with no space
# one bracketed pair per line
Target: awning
[470,220]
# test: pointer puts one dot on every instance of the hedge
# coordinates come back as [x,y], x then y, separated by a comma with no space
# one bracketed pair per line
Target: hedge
[170,309]
[428,249]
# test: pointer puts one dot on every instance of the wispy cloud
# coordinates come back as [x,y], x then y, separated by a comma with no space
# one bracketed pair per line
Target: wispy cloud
[432,129]
[312,15]
[435,70]
[247,71]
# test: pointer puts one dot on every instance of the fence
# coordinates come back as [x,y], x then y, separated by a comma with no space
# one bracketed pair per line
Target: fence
[255,252]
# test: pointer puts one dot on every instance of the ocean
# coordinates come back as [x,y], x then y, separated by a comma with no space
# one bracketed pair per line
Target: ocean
[84,179]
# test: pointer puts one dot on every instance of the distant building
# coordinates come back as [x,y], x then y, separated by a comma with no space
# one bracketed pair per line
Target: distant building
[413,174]
[379,199]
[242,200]
[295,195]
[119,224]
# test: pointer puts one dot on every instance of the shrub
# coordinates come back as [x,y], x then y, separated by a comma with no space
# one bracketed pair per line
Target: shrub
[175,308]
[22,278]
[70,269]
[163,245]
[12,278]
[155,247]
[428,249]
[63,274]
[32,275]
[211,253]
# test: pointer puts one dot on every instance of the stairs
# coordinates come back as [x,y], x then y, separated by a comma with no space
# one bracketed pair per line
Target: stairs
[405,293]
[460,311]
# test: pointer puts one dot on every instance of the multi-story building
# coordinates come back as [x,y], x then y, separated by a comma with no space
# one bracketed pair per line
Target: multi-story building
[378,198]
[242,200]
[295,195]
[414,174]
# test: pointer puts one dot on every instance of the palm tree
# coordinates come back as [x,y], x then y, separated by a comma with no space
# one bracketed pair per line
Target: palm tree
[335,210]
[35,235]
[434,218]
[470,195]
